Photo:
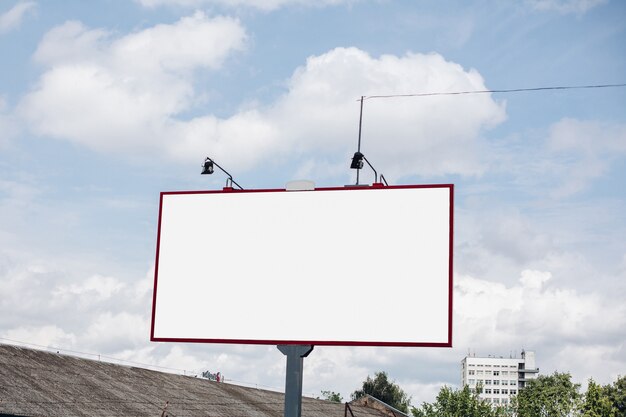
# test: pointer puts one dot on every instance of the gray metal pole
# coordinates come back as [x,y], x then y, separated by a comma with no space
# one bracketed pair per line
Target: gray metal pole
[293,380]
[359,145]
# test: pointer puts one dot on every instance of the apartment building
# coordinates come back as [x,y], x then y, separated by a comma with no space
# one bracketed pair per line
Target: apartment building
[498,378]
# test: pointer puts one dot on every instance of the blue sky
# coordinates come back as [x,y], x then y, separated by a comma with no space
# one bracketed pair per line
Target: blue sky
[105,104]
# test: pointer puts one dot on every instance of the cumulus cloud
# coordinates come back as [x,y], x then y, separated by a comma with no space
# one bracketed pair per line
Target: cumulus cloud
[257,4]
[119,94]
[534,279]
[95,287]
[12,18]
[45,304]
[566,6]
[114,332]
[409,136]
[535,315]
[129,94]
[48,335]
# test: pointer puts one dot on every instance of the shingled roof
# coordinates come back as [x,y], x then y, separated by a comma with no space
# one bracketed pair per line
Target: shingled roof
[37,383]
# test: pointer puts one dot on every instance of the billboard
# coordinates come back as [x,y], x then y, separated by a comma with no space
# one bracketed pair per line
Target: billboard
[353,266]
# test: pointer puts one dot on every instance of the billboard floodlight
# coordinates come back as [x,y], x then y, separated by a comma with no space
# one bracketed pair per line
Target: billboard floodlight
[357,161]
[208,168]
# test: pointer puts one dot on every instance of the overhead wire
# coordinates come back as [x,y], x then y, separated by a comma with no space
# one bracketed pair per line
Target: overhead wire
[511,90]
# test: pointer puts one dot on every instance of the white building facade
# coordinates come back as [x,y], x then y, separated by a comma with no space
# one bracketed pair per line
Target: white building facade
[499,378]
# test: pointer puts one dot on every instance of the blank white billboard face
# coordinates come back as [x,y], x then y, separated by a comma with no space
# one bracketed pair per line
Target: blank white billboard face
[337,266]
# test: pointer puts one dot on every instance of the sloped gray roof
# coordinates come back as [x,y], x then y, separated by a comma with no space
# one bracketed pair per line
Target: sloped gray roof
[36,383]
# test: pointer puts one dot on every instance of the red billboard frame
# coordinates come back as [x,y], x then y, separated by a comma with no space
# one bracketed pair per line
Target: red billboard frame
[375,187]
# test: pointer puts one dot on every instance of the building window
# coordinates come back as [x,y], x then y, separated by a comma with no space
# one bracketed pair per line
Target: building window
[496,382]
[513,392]
[505,391]
[471,372]
[505,382]
[480,381]
[496,373]
[480,372]
[472,381]
[496,400]
[487,381]
[512,382]
[487,372]
[503,373]
[496,391]
[488,391]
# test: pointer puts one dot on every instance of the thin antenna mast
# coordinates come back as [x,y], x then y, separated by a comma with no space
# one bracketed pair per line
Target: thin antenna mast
[359,144]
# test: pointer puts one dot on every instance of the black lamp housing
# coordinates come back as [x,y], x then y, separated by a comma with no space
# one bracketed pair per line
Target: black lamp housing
[357,161]
[208,169]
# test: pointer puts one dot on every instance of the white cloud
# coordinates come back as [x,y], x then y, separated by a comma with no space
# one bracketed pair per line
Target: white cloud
[119,93]
[112,332]
[47,301]
[566,6]
[257,4]
[548,319]
[431,135]
[12,18]
[48,335]
[534,279]
[95,287]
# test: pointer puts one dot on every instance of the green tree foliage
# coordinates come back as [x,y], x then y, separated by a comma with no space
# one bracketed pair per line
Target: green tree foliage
[458,403]
[597,402]
[331,396]
[548,396]
[617,396]
[386,391]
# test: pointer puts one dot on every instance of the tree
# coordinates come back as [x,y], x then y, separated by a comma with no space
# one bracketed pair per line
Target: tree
[388,392]
[332,396]
[459,403]
[597,402]
[548,396]
[617,396]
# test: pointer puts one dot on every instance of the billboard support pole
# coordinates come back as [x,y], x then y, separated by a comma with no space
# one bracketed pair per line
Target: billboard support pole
[293,381]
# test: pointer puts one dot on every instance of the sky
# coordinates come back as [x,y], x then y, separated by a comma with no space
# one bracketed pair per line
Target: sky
[104,104]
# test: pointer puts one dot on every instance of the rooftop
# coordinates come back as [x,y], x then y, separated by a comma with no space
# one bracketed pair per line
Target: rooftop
[43,384]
